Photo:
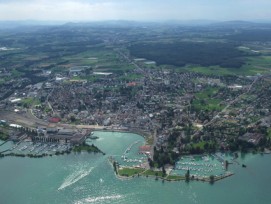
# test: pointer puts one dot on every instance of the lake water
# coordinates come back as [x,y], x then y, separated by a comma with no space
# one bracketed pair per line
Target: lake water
[89,178]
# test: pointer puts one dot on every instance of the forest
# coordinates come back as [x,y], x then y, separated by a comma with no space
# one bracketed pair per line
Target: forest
[259,35]
[183,53]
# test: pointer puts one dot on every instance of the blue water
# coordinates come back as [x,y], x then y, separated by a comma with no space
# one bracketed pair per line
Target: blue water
[89,178]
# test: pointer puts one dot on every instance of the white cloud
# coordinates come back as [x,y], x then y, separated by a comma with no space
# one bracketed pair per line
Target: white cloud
[57,10]
[92,10]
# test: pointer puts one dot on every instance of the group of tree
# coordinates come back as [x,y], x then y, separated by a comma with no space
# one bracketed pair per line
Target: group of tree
[187,176]
[183,53]
[161,157]
[260,35]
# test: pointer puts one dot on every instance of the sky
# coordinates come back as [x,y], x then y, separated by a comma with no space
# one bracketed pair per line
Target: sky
[140,10]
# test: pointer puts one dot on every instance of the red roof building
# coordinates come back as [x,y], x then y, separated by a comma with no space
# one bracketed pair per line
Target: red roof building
[145,149]
[131,84]
[54,120]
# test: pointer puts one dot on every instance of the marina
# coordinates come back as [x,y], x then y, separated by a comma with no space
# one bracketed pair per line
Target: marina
[75,178]
[131,156]
[35,149]
[202,166]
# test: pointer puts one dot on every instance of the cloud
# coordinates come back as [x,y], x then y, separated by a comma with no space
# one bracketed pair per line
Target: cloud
[93,10]
[56,10]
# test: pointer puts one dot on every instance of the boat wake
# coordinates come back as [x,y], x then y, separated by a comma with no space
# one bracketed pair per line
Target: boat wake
[74,177]
[101,199]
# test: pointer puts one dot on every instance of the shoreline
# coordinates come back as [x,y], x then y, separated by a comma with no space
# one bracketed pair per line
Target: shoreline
[75,150]
[45,155]
[170,179]
[138,132]
[178,178]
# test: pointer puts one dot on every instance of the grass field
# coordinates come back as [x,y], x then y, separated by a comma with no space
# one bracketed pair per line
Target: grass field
[175,177]
[86,147]
[2,81]
[201,144]
[254,65]
[134,171]
[130,171]
[269,132]
[215,70]
[204,100]
[153,173]
[30,101]
[99,59]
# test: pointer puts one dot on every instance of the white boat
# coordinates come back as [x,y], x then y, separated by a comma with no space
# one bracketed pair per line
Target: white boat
[23,148]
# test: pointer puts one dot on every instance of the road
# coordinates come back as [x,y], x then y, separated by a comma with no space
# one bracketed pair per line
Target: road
[228,105]
[47,100]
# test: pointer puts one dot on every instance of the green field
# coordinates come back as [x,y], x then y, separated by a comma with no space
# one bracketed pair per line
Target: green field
[3,135]
[253,66]
[269,132]
[153,173]
[100,59]
[130,171]
[30,102]
[201,144]
[175,177]
[86,147]
[2,81]
[135,171]
[204,100]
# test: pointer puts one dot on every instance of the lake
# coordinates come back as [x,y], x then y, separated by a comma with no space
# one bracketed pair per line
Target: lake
[89,178]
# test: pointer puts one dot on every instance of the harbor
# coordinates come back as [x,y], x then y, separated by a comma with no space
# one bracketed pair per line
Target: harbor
[131,156]
[202,167]
[28,148]
[75,177]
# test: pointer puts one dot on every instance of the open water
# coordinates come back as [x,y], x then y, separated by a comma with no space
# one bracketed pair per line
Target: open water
[89,178]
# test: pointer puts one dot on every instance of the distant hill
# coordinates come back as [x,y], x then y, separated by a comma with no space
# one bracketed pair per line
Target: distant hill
[16,24]
[241,24]
[128,23]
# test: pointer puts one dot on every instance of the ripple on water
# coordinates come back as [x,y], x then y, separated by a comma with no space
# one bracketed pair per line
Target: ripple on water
[75,177]
[100,199]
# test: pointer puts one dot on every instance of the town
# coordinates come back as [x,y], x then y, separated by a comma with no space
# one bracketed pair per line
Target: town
[148,102]
[179,113]
[182,105]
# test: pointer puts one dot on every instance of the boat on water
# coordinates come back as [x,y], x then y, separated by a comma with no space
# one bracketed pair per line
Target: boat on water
[92,136]
[23,148]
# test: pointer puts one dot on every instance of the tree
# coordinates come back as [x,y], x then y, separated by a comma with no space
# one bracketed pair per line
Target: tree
[156,176]
[187,176]
[226,164]
[206,146]
[72,118]
[115,166]
[164,171]
[151,163]
[212,179]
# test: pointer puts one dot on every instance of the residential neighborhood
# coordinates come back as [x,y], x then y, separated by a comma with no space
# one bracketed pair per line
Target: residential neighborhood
[180,113]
